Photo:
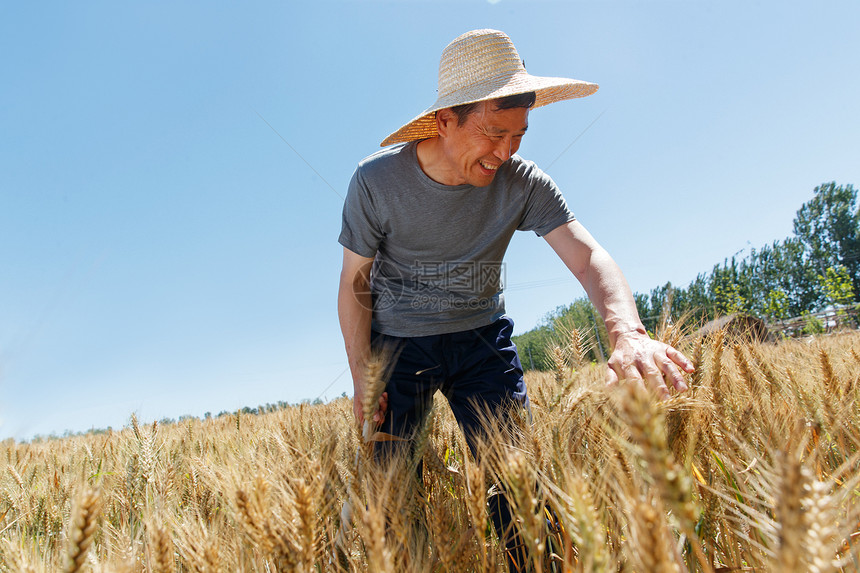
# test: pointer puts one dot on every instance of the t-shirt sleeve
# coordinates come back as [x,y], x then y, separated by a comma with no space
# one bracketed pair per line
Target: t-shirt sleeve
[360,229]
[545,207]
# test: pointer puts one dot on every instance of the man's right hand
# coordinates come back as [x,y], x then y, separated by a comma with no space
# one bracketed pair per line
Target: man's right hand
[358,409]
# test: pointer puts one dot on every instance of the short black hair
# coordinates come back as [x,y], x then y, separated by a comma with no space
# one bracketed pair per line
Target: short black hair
[526,100]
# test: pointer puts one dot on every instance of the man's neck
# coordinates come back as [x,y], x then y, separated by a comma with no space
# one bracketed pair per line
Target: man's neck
[431,159]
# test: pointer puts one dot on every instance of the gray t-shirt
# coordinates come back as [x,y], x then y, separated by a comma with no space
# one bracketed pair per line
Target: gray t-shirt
[438,248]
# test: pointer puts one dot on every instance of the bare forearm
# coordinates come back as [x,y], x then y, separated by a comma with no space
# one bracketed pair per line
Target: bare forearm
[354,312]
[601,278]
[634,355]
[610,293]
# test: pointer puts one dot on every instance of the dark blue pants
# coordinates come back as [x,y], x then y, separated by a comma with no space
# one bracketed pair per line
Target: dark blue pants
[478,371]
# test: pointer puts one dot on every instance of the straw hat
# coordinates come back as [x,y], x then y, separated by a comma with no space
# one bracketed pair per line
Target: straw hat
[482,65]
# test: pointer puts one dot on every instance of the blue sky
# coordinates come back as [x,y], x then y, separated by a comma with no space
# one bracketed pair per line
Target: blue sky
[164,251]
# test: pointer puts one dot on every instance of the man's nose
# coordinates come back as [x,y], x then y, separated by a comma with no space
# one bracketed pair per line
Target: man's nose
[503,149]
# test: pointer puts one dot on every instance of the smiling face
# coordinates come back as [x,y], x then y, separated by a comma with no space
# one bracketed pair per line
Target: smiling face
[472,152]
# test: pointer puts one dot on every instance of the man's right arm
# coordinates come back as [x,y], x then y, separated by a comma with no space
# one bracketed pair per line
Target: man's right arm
[354,310]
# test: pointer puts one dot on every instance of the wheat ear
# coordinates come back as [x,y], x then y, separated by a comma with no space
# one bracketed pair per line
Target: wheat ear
[374,386]
[698,362]
[161,558]
[379,557]
[577,347]
[12,559]
[789,512]
[717,368]
[476,504]
[657,552]
[199,548]
[304,495]
[830,380]
[82,526]
[822,527]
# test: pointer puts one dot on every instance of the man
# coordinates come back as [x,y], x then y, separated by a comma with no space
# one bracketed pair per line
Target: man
[425,227]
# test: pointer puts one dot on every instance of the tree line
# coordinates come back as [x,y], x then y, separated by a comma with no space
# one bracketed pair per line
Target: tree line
[818,267]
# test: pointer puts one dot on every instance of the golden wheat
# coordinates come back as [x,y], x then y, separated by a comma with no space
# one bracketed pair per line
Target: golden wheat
[756,466]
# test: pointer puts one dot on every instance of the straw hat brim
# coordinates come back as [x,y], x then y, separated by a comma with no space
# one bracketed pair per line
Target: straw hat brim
[547,90]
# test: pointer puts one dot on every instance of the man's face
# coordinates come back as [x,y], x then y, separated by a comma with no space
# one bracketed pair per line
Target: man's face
[488,138]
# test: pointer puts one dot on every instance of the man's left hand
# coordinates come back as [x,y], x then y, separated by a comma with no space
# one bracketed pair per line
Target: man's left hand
[639,358]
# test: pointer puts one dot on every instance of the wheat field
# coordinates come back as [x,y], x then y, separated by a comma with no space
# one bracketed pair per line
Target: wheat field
[755,468]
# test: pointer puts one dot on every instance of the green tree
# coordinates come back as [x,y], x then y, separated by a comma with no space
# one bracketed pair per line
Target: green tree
[836,285]
[820,265]
[726,289]
[646,314]
[784,267]
[829,227]
[812,324]
[534,347]
[776,307]
[694,301]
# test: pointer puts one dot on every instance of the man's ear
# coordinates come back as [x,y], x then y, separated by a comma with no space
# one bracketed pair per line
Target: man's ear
[445,120]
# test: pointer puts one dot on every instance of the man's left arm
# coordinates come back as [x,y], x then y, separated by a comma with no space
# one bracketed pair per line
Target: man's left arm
[635,356]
